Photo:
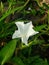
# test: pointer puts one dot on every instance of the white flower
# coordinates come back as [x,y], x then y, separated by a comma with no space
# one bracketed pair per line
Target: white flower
[29,8]
[24,31]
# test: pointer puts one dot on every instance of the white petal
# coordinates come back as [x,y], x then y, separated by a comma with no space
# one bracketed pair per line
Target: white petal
[20,26]
[27,27]
[25,40]
[19,23]
[29,24]
[31,32]
[16,34]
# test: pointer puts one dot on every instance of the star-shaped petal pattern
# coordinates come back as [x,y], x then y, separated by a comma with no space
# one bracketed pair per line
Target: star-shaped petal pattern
[24,31]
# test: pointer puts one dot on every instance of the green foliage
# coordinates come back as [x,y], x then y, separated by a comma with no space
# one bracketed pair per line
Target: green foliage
[7,51]
[2,7]
[38,61]
[41,27]
[30,61]
[8,13]
[18,10]
[18,61]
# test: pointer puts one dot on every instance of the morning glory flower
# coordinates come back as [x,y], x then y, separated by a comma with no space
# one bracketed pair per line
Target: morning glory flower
[24,31]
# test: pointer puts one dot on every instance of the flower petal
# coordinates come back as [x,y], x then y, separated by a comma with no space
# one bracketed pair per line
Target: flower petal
[29,24]
[31,32]
[16,34]
[27,27]
[25,40]
[20,26]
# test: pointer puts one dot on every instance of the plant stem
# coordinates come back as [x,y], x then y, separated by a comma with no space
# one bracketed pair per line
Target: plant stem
[48,16]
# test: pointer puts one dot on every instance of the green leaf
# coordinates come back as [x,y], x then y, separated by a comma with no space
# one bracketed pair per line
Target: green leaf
[36,60]
[17,61]
[40,61]
[8,12]
[7,51]
[39,28]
